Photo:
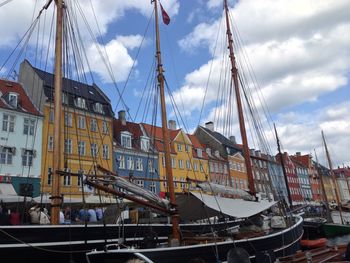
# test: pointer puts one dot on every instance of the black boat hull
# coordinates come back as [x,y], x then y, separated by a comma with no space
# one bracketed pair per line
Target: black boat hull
[282,243]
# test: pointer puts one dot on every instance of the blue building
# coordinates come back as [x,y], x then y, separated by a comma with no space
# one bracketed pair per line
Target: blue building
[277,179]
[133,156]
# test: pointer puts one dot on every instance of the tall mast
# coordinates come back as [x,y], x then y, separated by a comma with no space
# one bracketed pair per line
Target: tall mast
[283,167]
[234,74]
[166,140]
[333,178]
[56,197]
[322,187]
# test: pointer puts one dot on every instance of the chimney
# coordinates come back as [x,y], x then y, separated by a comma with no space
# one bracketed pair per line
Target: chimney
[233,139]
[172,125]
[121,117]
[252,152]
[209,125]
[298,153]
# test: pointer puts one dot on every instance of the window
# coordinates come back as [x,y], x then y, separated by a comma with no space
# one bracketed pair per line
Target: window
[165,182]
[94,150]
[188,165]
[139,164]
[67,178]
[93,125]
[49,176]
[181,164]
[130,163]
[151,166]
[64,98]
[183,183]
[217,154]
[68,121]
[80,103]
[121,161]
[179,147]
[81,148]
[208,150]
[80,177]
[140,183]
[126,140]
[13,98]
[105,151]
[173,162]
[187,147]
[27,157]
[195,166]
[216,167]
[199,153]
[201,168]
[104,127]
[81,122]
[68,146]
[50,143]
[98,108]
[211,167]
[6,155]
[175,182]
[144,144]
[152,187]
[8,123]
[51,116]
[163,161]
[28,127]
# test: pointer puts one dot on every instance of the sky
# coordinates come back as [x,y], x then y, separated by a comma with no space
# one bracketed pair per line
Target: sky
[298,51]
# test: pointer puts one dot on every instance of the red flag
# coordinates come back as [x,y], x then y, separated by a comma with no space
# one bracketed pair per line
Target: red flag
[166,18]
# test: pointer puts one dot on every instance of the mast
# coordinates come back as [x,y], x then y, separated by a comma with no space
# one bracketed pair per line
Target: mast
[166,140]
[333,178]
[283,167]
[56,197]
[323,188]
[234,74]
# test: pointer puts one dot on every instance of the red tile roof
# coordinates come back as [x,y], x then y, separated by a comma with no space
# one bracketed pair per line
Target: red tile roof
[197,145]
[156,134]
[24,102]
[133,128]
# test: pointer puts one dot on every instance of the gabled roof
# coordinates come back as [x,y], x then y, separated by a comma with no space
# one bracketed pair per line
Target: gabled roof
[24,103]
[296,161]
[133,128]
[91,93]
[156,134]
[221,138]
[197,145]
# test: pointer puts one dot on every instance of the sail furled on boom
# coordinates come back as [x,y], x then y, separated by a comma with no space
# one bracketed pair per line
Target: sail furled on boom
[225,190]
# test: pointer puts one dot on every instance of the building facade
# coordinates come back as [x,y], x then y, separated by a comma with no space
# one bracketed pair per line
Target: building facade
[133,155]
[20,139]
[86,133]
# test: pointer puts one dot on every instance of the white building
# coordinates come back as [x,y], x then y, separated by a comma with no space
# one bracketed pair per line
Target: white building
[20,136]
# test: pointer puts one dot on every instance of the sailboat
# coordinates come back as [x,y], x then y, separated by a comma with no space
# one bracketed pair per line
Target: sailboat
[57,242]
[210,248]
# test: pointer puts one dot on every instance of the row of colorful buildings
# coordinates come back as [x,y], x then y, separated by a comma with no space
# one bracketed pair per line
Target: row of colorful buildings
[91,134]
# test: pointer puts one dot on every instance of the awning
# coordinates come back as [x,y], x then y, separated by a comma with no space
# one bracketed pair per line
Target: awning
[208,205]
[7,189]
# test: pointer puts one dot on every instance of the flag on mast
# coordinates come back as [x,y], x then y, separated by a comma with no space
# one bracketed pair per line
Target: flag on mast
[166,18]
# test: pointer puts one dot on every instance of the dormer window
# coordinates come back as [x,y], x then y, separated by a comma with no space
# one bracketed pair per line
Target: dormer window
[64,98]
[208,150]
[199,153]
[98,107]
[144,144]
[125,140]
[217,154]
[13,99]
[80,103]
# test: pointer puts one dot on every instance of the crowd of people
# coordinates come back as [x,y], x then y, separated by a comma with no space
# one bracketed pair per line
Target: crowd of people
[37,214]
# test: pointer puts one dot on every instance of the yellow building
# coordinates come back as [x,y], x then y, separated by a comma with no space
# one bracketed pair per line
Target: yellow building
[86,133]
[188,157]
[329,188]
[238,171]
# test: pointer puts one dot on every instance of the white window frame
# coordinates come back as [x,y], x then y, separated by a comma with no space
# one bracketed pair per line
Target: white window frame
[68,146]
[6,155]
[93,125]
[105,129]
[49,176]
[151,166]
[51,116]
[27,157]
[152,187]
[173,162]
[67,179]
[125,140]
[121,160]
[80,102]
[179,147]
[199,153]
[93,150]
[68,119]
[145,143]
[105,151]
[181,164]
[130,163]
[13,99]
[28,126]
[195,166]
[139,164]
[81,148]
[8,122]
[50,144]
[188,165]
[81,122]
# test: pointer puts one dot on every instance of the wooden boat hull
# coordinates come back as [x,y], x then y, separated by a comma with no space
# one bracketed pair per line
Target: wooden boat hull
[331,229]
[313,243]
[282,243]
[27,243]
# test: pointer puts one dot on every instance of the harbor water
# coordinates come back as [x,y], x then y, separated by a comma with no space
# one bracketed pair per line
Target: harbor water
[339,240]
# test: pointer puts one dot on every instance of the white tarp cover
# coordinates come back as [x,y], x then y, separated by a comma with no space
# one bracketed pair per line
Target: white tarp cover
[226,190]
[234,207]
